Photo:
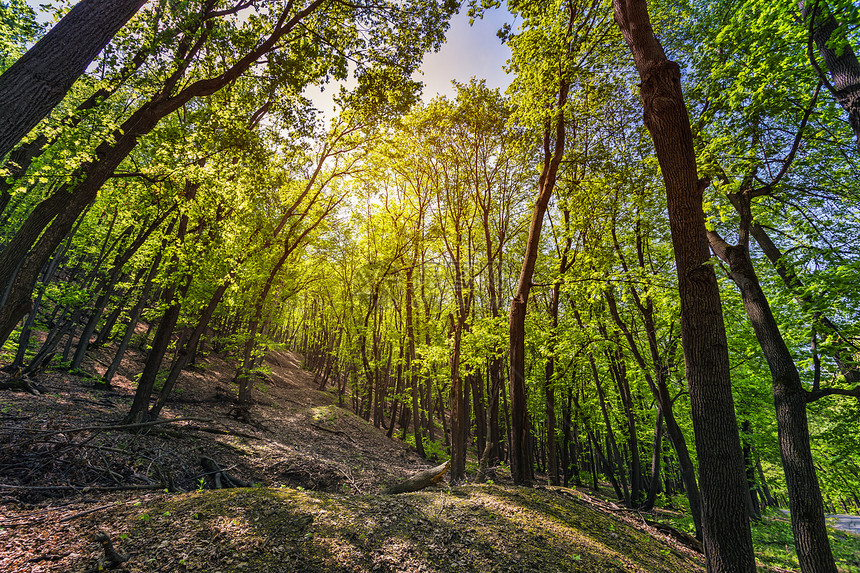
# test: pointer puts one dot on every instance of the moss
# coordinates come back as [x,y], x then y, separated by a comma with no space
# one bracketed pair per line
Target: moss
[469,528]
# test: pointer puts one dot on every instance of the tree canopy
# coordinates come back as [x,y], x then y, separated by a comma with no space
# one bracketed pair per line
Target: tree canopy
[636,266]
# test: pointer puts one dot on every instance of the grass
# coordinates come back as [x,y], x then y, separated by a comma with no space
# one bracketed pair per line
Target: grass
[774,545]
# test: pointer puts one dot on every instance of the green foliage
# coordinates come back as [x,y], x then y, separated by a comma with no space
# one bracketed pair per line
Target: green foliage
[20,28]
[774,545]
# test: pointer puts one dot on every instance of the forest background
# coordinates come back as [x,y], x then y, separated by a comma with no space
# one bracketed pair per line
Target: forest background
[185,197]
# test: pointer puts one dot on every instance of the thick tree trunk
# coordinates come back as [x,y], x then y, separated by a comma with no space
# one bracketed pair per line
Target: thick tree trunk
[419,480]
[40,79]
[143,394]
[727,538]
[804,494]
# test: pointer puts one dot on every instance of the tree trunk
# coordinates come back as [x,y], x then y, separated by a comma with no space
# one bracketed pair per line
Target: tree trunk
[108,285]
[660,391]
[623,385]
[726,531]
[549,391]
[749,463]
[185,354]
[410,359]
[478,408]
[839,58]
[134,314]
[520,463]
[804,494]
[40,79]
[654,486]
[458,414]
[143,393]
[611,445]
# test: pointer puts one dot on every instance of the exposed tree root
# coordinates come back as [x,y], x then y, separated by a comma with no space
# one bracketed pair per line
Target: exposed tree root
[219,478]
[111,559]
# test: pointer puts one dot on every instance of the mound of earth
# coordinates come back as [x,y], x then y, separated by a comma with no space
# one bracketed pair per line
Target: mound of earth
[300,436]
[466,528]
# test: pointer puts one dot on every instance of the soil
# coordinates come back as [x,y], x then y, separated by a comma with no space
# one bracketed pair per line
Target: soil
[317,505]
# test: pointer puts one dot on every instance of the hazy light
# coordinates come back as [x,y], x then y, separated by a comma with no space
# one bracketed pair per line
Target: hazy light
[469,52]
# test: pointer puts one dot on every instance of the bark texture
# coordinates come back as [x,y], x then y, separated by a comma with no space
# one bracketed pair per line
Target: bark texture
[40,79]
[420,480]
[726,532]
[839,59]
[520,462]
[789,396]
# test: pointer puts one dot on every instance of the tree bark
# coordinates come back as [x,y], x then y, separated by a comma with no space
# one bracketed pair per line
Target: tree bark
[419,480]
[789,396]
[40,79]
[520,463]
[726,531]
[839,58]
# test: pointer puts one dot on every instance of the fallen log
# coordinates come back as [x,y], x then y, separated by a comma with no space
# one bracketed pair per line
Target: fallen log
[420,480]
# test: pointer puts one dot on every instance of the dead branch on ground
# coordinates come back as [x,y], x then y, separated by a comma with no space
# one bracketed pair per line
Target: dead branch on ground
[219,477]
[420,480]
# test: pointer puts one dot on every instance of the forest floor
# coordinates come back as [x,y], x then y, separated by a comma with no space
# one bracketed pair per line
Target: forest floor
[318,470]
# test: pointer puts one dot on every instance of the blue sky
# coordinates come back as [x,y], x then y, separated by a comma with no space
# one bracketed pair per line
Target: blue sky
[470,51]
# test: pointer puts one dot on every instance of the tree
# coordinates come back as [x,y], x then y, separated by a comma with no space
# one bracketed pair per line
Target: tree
[40,79]
[418,27]
[570,34]
[830,37]
[804,492]
[726,532]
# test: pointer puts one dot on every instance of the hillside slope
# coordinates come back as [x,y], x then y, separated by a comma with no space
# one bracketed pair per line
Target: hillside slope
[320,508]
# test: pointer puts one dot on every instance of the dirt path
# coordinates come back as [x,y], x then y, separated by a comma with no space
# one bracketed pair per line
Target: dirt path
[844,522]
